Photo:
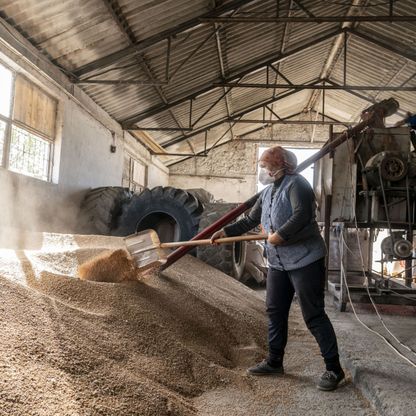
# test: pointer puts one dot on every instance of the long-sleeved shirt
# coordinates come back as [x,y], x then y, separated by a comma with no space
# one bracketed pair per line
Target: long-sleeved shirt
[302,201]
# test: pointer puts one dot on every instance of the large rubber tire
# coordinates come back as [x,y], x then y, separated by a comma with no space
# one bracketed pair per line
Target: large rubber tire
[203,195]
[173,213]
[100,209]
[229,258]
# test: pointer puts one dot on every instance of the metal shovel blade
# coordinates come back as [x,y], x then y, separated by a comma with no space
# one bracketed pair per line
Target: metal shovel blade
[145,249]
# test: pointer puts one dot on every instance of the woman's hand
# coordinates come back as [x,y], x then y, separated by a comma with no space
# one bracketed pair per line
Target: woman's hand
[216,235]
[275,240]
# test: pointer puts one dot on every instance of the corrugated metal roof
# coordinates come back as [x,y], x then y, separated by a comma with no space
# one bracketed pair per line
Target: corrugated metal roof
[75,33]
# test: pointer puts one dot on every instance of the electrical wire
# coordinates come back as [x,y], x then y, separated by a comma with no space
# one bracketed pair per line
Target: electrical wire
[343,276]
[375,307]
[366,279]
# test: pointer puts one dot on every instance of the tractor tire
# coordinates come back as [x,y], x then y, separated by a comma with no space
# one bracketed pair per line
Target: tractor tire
[173,213]
[203,196]
[100,209]
[229,258]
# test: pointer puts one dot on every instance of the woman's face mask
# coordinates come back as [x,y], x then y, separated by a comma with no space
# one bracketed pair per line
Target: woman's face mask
[266,177]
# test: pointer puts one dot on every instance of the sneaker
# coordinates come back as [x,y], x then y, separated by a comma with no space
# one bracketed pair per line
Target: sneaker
[265,369]
[329,380]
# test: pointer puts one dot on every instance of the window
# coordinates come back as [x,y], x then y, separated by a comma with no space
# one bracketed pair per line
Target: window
[27,126]
[134,174]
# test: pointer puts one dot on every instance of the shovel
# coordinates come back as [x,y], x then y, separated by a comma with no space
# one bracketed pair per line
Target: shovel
[148,251]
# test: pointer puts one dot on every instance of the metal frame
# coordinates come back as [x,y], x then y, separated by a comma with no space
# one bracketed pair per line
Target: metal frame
[309,19]
[230,78]
[286,120]
[4,163]
[227,84]
[236,115]
[117,15]
[140,46]
[315,86]
[239,73]
[130,123]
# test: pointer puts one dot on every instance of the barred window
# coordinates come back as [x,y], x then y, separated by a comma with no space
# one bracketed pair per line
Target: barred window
[29,154]
[27,126]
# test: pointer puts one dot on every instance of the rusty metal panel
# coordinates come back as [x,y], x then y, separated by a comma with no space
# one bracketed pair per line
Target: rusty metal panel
[344,176]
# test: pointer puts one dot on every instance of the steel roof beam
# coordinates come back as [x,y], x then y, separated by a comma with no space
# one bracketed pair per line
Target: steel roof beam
[303,8]
[238,73]
[362,97]
[387,44]
[140,46]
[236,115]
[309,19]
[316,86]
[120,82]
[334,53]
[222,71]
[300,122]
[118,17]
[307,144]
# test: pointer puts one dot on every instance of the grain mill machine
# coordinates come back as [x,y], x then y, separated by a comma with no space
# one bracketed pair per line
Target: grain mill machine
[366,189]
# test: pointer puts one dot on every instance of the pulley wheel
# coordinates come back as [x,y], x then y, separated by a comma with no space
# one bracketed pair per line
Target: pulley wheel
[402,248]
[387,246]
[393,168]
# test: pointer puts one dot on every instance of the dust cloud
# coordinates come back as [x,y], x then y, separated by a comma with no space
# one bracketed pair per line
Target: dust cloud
[28,205]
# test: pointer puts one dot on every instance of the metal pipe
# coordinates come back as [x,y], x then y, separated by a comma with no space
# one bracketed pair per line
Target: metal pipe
[331,145]
[240,209]
[207,232]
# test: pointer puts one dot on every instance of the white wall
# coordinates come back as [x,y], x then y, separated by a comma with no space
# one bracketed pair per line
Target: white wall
[223,188]
[230,171]
[82,160]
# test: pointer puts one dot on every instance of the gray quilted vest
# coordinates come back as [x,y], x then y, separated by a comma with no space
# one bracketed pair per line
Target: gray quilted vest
[303,249]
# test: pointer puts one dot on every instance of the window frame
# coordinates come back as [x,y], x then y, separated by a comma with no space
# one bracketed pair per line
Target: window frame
[131,183]
[5,161]
[8,120]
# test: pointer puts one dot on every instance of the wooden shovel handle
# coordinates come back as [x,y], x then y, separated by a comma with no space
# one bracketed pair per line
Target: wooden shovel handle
[207,242]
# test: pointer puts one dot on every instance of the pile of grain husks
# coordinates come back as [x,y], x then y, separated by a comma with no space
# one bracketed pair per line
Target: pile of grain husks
[74,347]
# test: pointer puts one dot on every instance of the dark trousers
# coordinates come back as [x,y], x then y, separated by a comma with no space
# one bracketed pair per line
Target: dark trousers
[309,284]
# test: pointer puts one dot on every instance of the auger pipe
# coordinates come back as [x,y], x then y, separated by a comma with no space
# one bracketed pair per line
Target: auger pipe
[240,209]
[215,226]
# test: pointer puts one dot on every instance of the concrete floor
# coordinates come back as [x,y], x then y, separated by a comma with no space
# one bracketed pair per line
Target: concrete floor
[293,394]
[384,378]
[380,375]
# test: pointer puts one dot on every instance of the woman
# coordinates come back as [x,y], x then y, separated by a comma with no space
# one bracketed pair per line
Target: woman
[296,256]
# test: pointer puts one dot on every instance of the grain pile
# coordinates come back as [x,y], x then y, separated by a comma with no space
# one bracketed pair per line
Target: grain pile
[76,347]
[112,266]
